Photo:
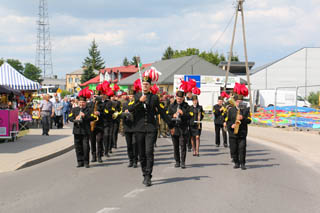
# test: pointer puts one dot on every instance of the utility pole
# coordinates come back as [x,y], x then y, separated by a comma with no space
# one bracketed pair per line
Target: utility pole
[239,8]
[43,51]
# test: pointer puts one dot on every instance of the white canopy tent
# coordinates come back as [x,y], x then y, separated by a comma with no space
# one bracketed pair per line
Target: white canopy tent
[12,78]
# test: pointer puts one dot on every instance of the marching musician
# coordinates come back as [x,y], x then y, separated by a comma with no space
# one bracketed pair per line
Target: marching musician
[196,125]
[127,119]
[97,129]
[237,124]
[81,117]
[180,113]
[220,113]
[144,109]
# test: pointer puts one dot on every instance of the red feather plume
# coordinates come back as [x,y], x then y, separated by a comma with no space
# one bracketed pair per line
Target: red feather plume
[184,86]
[86,92]
[137,85]
[196,91]
[225,95]
[116,88]
[154,89]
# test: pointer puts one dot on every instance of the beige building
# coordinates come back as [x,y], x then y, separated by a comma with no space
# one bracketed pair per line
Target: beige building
[73,80]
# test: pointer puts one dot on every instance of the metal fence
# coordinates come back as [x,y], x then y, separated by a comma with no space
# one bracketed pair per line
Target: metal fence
[299,122]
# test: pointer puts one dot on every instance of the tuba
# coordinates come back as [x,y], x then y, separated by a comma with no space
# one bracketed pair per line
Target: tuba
[237,123]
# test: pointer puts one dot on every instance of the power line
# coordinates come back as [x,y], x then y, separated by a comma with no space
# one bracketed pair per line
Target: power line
[225,29]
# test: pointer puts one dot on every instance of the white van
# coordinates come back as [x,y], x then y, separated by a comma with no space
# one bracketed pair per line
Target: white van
[266,98]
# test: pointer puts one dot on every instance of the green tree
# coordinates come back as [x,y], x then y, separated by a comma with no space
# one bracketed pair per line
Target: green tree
[313,98]
[94,59]
[65,93]
[92,62]
[32,72]
[134,61]
[88,74]
[1,61]
[212,57]
[125,62]
[168,54]
[16,64]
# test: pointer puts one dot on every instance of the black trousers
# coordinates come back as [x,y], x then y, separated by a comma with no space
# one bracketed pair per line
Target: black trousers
[96,142]
[59,121]
[145,142]
[238,150]
[189,139]
[217,128]
[81,144]
[107,138]
[115,131]
[45,120]
[132,147]
[180,142]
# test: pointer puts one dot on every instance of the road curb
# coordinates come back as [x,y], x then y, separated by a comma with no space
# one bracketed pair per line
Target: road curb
[47,157]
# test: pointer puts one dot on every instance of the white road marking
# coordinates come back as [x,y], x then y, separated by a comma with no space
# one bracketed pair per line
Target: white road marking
[107,210]
[134,193]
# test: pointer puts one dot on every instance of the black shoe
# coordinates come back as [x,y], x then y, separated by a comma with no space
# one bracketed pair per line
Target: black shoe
[183,165]
[94,159]
[47,134]
[217,145]
[164,136]
[100,160]
[177,165]
[135,165]
[110,151]
[80,165]
[144,180]
[243,166]
[86,166]
[225,145]
[130,164]
[148,181]
[236,166]
[107,155]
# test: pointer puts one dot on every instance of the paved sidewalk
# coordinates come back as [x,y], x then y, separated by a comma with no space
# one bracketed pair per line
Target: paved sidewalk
[304,146]
[34,148]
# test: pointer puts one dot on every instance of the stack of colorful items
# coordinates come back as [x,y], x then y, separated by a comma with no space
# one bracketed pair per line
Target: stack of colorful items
[287,116]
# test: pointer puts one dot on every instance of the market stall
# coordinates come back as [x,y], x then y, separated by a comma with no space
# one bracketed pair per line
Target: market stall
[9,123]
[16,101]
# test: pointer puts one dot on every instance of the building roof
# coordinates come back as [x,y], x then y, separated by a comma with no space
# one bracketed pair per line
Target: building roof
[126,69]
[188,65]
[236,67]
[55,81]
[258,69]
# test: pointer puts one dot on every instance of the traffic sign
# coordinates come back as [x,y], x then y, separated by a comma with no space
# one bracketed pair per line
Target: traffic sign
[197,78]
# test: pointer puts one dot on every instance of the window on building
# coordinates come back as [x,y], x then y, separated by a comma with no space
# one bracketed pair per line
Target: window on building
[77,80]
[70,80]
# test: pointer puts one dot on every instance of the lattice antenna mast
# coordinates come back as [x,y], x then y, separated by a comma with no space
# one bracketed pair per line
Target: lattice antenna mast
[43,53]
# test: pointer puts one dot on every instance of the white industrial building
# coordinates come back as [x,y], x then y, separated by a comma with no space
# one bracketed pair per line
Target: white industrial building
[301,68]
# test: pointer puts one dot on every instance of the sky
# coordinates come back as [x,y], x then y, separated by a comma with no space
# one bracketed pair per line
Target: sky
[274,29]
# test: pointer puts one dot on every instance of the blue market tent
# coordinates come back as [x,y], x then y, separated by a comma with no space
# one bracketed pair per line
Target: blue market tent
[12,78]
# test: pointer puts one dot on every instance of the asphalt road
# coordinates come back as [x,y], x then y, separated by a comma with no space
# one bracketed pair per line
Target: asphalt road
[273,182]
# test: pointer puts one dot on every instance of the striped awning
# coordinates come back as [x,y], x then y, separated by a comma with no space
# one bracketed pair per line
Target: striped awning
[12,78]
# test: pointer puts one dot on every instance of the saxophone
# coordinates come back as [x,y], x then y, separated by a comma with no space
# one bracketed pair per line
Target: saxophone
[93,123]
[237,123]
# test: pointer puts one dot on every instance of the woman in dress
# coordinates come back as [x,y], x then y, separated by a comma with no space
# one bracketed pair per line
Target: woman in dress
[196,125]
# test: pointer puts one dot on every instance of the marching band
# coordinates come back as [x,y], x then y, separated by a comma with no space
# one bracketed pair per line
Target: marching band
[143,115]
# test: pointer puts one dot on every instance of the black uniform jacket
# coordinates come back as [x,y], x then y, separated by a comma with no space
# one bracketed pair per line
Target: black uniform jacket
[231,119]
[145,119]
[196,110]
[181,127]
[127,117]
[100,109]
[219,116]
[118,109]
[107,112]
[82,127]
